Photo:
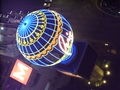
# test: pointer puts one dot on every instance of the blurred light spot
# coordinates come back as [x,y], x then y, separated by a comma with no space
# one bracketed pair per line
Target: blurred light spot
[48,0]
[20,12]
[108,72]
[0,15]
[1,37]
[45,4]
[89,82]
[106,65]
[106,44]
[97,84]
[104,81]
[4,16]
[2,28]
[10,12]
[113,51]
[108,50]
[7,16]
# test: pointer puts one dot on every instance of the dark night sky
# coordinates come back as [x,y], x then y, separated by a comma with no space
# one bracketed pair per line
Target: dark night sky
[24,5]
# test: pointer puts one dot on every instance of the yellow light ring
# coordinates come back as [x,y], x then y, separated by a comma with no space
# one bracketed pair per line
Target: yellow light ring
[27,43]
[51,35]
[49,39]
[54,41]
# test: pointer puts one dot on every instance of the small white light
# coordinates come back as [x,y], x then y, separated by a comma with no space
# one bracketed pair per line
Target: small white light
[20,12]
[10,12]
[108,72]
[7,16]
[104,81]
[45,4]
[21,17]
[2,28]
[89,82]
[28,12]
[119,12]
[106,65]
[106,44]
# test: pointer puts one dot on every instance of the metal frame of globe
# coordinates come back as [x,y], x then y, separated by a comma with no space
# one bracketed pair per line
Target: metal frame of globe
[45,38]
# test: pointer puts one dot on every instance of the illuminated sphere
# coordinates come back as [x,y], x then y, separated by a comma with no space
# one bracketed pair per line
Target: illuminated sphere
[45,38]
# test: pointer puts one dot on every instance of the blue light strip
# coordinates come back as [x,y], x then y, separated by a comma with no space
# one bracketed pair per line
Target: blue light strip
[33,24]
[65,29]
[39,16]
[41,45]
[34,54]
[49,60]
[64,36]
[49,14]
[41,62]
[70,58]
[52,24]
[54,56]
[50,29]
[31,28]
[51,19]
[59,50]
[40,23]
[48,35]
[45,40]
[25,34]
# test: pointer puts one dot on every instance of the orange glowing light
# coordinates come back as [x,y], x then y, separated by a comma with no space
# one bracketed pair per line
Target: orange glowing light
[21,72]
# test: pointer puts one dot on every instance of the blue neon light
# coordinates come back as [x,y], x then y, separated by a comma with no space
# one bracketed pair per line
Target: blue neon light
[38,35]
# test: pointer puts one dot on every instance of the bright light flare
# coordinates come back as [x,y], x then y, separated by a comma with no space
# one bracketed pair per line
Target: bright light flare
[104,81]
[108,73]
[106,44]
[2,28]
[106,65]
[89,82]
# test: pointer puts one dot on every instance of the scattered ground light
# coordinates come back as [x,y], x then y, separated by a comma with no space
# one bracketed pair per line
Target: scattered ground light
[104,81]
[97,85]
[108,72]
[106,44]
[106,65]
[45,4]
[113,51]
[89,82]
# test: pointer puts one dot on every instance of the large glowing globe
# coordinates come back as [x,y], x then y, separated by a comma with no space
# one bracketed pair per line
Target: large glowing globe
[45,38]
